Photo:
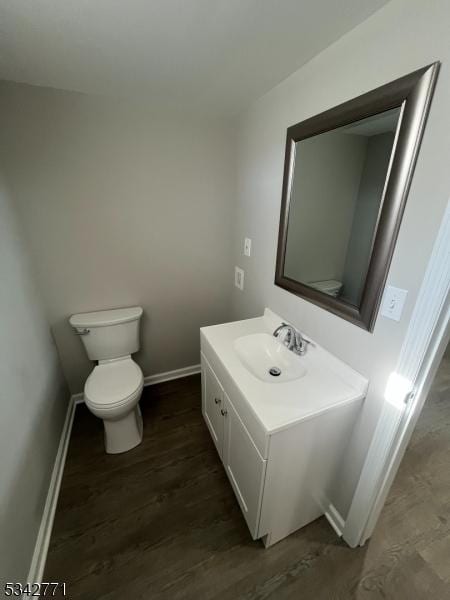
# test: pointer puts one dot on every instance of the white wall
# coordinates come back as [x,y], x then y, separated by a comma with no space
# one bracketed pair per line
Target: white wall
[33,401]
[401,37]
[122,207]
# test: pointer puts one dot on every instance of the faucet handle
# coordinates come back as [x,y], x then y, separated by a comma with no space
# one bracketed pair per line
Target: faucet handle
[299,340]
[301,343]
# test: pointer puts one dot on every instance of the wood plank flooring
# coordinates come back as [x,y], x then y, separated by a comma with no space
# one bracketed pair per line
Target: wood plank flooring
[161,521]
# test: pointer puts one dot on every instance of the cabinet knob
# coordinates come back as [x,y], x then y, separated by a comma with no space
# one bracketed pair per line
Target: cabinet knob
[223,412]
[217,400]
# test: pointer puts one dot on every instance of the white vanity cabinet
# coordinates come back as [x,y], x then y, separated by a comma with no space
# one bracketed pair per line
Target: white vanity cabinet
[282,442]
[213,405]
[243,464]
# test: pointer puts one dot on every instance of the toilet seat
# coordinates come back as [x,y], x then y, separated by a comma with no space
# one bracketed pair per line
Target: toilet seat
[114,384]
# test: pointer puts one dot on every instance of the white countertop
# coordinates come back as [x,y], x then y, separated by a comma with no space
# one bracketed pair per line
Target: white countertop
[328,383]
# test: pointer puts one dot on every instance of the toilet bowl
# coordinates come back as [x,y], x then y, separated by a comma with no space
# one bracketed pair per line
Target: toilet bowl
[112,392]
[114,387]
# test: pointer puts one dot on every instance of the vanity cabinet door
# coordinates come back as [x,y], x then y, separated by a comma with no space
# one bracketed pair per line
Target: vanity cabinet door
[213,405]
[244,466]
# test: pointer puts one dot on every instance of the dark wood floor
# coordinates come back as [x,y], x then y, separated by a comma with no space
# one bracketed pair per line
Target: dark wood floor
[161,521]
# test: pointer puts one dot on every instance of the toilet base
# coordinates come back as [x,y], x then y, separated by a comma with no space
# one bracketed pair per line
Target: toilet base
[125,433]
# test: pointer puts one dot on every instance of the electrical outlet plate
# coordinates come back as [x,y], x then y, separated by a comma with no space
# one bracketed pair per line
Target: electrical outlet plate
[393,302]
[247,246]
[239,278]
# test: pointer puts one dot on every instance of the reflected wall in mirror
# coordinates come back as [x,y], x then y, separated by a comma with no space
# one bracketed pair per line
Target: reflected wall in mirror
[337,189]
[346,177]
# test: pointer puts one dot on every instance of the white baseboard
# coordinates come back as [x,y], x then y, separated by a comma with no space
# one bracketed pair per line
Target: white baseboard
[154,379]
[169,375]
[43,539]
[335,519]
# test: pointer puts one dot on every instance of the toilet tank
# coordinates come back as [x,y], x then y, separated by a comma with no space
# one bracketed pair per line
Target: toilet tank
[109,334]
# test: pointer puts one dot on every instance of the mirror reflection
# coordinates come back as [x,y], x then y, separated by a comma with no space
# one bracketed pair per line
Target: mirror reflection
[335,200]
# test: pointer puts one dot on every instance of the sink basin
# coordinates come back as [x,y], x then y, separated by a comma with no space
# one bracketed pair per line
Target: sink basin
[267,359]
[242,352]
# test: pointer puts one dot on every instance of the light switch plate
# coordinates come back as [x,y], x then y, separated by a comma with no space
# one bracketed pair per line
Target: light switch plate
[393,302]
[247,246]
[239,278]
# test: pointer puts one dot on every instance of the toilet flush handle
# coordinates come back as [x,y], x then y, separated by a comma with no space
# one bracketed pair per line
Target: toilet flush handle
[82,331]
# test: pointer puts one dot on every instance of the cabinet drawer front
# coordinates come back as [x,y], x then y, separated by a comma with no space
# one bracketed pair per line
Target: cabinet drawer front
[244,466]
[212,404]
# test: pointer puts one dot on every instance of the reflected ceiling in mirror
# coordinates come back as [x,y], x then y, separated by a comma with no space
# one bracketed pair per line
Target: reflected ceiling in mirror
[336,194]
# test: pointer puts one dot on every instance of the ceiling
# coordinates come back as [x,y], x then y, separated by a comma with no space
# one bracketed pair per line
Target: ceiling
[207,55]
[376,124]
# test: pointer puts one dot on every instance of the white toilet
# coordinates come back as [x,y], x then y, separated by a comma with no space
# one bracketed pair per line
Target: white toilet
[329,286]
[113,389]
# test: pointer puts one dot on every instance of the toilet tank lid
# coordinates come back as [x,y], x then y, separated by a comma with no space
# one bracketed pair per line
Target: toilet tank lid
[102,318]
[327,285]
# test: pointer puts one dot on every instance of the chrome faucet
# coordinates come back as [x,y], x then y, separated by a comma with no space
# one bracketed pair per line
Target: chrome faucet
[293,339]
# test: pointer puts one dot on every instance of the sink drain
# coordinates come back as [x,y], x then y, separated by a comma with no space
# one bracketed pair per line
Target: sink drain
[275,371]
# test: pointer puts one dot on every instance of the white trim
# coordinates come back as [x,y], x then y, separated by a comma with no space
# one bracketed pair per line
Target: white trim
[421,344]
[335,519]
[411,416]
[154,379]
[78,398]
[169,375]
[43,538]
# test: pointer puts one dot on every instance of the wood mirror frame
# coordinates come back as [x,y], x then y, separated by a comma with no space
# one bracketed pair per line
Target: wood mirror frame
[412,94]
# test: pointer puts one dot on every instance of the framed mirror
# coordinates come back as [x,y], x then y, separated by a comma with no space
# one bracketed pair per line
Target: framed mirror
[347,174]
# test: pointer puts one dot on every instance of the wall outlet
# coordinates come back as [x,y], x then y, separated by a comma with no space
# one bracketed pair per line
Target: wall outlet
[393,302]
[239,278]
[247,246]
